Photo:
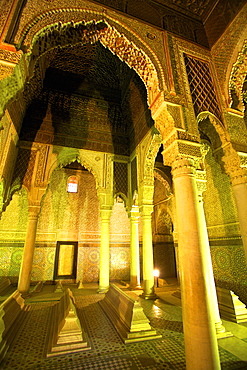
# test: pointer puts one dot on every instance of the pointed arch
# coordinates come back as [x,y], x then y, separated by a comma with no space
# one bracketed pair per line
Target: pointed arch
[45,33]
[151,153]
[65,159]
[160,176]
[212,127]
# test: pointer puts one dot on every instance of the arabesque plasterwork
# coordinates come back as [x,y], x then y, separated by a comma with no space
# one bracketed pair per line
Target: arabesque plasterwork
[237,78]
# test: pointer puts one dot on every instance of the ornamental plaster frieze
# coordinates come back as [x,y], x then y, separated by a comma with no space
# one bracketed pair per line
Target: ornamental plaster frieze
[12,79]
[227,231]
[15,236]
[8,61]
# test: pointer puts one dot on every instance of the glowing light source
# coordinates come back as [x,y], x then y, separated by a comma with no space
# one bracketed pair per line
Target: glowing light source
[156,275]
[72,184]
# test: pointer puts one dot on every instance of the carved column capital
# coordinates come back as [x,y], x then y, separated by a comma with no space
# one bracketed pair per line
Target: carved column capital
[146,210]
[181,145]
[164,122]
[105,213]
[235,165]
[183,166]
[134,213]
[33,212]
[105,198]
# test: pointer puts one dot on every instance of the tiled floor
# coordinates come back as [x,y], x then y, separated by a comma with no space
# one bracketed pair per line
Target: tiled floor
[107,350]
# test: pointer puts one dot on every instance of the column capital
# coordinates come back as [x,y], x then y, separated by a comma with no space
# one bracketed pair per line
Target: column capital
[180,145]
[134,213]
[33,211]
[183,166]
[146,210]
[235,165]
[105,213]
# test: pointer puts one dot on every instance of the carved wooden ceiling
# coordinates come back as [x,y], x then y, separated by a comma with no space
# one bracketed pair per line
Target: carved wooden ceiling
[201,21]
[194,8]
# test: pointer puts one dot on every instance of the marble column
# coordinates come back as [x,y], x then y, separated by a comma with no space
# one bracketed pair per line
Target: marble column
[239,189]
[27,259]
[134,249]
[147,253]
[104,268]
[201,348]
[220,329]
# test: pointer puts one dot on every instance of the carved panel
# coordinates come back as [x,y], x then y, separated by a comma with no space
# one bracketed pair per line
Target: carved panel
[237,78]
[121,178]
[201,86]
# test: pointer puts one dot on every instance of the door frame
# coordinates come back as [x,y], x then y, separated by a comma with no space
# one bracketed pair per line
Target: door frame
[74,267]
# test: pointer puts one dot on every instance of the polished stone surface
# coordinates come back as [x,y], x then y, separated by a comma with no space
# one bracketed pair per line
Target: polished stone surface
[108,351]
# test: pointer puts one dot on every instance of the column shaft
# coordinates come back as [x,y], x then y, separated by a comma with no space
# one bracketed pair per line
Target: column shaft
[104,273]
[201,347]
[27,259]
[147,250]
[134,249]
[220,330]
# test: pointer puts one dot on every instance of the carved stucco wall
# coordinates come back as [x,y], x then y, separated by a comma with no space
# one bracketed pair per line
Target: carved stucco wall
[227,251]
[220,208]
[13,225]
[226,52]
[164,253]
[64,217]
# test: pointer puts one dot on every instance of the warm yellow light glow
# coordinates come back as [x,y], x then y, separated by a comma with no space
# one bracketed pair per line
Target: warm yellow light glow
[156,273]
[72,184]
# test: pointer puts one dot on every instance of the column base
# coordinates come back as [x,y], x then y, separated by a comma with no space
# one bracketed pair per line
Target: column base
[103,290]
[221,331]
[150,296]
[25,294]
[135,287]
[226,334]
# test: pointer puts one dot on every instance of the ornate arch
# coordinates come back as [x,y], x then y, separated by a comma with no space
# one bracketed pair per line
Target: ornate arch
[215,131]
[165,183]
[47,31]
[169,194]
[65,159]
[237,78]
[151,153]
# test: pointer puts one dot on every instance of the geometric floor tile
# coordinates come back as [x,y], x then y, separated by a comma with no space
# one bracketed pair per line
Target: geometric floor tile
[107,352]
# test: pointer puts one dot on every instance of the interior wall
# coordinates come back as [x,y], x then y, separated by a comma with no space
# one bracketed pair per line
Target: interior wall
[64,217]
[164,252]
[227,251]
